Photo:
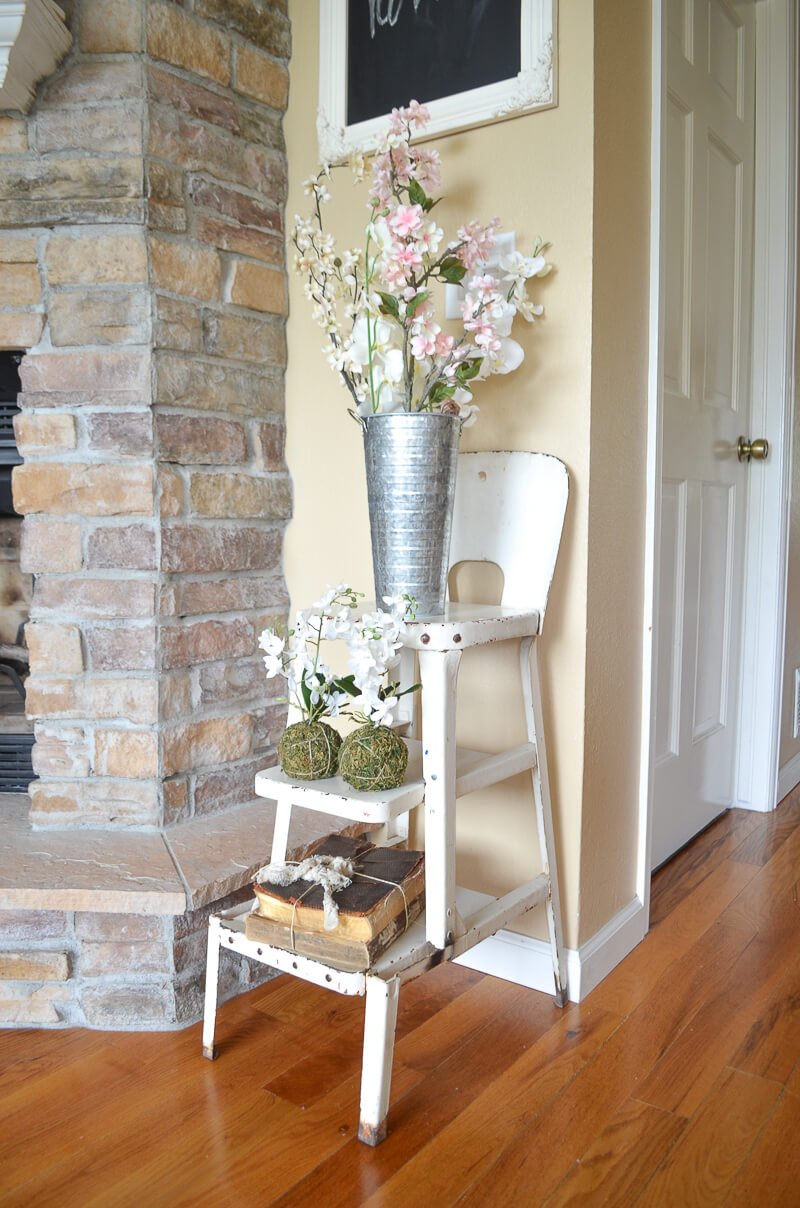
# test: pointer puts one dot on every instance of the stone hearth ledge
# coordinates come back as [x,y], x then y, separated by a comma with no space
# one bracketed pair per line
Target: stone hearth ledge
[164,872]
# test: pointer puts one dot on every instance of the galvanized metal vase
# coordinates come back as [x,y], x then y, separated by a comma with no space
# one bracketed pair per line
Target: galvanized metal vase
[411,461]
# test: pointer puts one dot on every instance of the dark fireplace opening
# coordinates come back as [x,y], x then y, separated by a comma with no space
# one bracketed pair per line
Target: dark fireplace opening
[16,736]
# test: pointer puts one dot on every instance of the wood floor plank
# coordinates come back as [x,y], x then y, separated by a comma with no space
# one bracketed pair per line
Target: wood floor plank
[520,1018]
[632,980]
[29,1045]
[755,982]
[706,851]
[74,1138]
[39,1061]
[771,1175]
[621,1162]
[292,999]
[703,1166]
[771,1047]
[495,1027]
[773,891]
[217,1137]
[533,1164]
[763,843]
[511,1103]
[323,1065]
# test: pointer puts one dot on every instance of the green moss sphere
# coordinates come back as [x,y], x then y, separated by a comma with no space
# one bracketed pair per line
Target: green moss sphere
[373,759]
[309,750]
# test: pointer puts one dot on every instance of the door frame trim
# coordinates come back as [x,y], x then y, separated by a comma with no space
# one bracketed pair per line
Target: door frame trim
[774,297]
[773,353]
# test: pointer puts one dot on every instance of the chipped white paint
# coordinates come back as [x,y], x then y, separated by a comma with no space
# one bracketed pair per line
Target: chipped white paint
[500,498]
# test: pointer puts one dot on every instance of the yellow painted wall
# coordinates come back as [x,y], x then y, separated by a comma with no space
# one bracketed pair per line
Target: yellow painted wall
[538,173]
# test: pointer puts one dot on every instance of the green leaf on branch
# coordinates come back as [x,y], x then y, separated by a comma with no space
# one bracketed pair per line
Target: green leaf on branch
[389,305]
[469,369]
[418,197]
[452,270]
[441,391]
[416,194]
[347,684]
[413,688]
[413,306]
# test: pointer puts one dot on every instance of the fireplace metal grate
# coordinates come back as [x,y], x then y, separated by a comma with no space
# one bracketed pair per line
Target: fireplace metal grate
[16,768]
[9,454]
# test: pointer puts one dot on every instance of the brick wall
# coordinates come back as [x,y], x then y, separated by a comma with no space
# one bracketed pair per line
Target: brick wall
[142,264]
[112,971]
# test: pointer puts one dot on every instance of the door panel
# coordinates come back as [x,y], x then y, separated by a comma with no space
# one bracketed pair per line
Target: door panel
[707,216]
[714,594]
[670,621]
[723,275]
[677,332]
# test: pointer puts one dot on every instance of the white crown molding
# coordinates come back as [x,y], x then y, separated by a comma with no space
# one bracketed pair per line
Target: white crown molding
[33,41]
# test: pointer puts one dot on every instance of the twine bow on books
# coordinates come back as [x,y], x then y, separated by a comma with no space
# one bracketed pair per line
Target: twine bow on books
[333,873]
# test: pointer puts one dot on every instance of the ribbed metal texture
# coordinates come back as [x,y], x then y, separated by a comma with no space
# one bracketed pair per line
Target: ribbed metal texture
[411,464]
[16,769]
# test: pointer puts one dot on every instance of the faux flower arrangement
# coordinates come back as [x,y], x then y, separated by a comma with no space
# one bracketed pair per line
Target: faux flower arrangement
[373,756]
[376,304]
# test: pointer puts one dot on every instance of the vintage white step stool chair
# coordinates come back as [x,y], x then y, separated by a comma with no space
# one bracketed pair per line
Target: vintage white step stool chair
[509,510]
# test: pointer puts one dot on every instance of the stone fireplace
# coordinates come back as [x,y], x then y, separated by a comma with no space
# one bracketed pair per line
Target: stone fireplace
[143,276]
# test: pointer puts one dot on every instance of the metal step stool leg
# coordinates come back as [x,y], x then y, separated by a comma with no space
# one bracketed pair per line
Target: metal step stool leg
[212,978]
[280,835]
[380,1018]
[531,691]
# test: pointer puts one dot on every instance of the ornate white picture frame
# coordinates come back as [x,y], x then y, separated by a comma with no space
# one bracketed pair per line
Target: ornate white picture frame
[533,88]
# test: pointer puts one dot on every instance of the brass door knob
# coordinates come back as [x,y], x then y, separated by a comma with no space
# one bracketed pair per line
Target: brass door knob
[757,449]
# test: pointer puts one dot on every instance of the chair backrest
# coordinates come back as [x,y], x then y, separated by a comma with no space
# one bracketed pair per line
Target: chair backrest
[509,509]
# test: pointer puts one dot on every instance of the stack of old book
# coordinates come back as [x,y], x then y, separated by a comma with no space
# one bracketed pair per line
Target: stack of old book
[385,895]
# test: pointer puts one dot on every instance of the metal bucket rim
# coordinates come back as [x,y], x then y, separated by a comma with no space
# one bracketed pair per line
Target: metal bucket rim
[409,417]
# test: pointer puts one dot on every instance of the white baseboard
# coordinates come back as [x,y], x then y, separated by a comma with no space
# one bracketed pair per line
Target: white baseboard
[788,777]
[527,962]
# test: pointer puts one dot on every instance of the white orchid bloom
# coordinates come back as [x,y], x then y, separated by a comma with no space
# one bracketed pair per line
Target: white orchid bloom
[503,314]
[273,647]
[380,232]
[392,365]
[382,712]
[509,357]
[383,337]
[334,702]
[521,268]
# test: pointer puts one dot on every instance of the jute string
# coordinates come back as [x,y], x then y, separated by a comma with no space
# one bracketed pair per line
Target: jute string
[333,873]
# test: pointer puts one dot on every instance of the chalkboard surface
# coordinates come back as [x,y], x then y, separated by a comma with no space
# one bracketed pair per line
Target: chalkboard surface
[399,50]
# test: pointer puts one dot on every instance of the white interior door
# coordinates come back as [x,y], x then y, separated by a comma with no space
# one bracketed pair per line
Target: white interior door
[708,234]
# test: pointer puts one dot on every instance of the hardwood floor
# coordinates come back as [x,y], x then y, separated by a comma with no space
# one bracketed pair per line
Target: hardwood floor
[676,1083]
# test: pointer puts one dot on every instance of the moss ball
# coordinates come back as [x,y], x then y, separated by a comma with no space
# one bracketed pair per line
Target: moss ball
[373,759]
[309,750]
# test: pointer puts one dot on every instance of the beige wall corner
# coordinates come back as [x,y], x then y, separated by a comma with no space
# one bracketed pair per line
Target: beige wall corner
[617,478]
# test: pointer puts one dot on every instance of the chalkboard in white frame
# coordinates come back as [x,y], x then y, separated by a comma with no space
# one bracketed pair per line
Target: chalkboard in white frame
[532,47]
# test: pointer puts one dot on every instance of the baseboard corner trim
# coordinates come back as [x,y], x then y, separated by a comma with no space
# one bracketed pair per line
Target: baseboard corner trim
[788,777]
[527,961]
